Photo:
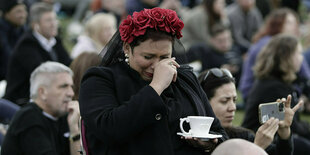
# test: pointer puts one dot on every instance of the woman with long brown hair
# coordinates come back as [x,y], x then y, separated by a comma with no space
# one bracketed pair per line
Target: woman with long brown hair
[279,21]
[275,70]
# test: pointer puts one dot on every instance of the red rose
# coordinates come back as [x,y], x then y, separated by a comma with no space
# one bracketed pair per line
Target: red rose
[160,19]
[126,29]
[141,20]
[158,15]
[170,19]
[178,26]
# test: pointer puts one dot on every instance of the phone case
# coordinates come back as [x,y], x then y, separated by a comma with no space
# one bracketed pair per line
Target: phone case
[273,109]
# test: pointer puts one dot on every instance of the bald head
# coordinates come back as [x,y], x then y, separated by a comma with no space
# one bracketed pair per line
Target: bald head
[238,147]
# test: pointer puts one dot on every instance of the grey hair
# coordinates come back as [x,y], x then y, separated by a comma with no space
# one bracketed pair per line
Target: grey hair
[38,9]
[43,75]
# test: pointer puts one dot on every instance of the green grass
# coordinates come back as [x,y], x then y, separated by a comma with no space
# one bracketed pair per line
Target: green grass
[67,40]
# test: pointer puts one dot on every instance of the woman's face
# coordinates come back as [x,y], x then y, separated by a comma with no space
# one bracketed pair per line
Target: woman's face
[219,6]
[224,103]
[297,58]
[144,57]
[291,25]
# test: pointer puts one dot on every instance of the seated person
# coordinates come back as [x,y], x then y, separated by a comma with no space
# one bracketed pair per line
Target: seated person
[36,46]
[12,27]
[279,21]
[221,52]
[275,71]
[199,21]
[245,20]
[98,31]
[220,88]
[49,124]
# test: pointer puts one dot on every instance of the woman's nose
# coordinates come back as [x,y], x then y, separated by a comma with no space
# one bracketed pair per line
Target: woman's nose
[154,63]
[232,106]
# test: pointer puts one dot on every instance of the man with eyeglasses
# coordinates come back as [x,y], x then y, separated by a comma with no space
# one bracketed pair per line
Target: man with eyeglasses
[36,46]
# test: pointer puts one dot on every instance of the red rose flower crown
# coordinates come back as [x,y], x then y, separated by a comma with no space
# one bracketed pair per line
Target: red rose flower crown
[157,18]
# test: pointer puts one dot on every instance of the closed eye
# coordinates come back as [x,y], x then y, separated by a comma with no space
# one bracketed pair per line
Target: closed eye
[164,57]
[148,57]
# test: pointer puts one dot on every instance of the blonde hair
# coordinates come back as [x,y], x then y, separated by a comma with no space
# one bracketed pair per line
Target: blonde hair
[93,26]
[272,60]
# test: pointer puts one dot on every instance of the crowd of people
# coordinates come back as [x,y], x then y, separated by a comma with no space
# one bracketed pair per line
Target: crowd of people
[139,66]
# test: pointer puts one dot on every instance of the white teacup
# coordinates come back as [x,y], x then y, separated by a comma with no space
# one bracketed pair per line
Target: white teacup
[199,125]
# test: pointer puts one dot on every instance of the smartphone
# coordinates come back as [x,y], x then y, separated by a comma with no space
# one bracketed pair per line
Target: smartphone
[272,109]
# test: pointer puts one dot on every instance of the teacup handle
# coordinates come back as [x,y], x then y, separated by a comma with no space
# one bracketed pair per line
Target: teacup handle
[181,125]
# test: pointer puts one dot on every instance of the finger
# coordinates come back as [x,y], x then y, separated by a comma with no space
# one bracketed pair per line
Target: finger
[174,63]
[281,124]
[175,76]
[274,127]
[215,141]
[288,101]
[271,127]
[268,124]
[299,105]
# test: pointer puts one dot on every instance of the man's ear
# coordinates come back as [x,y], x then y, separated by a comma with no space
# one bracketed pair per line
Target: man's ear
[126,48]
[42,93]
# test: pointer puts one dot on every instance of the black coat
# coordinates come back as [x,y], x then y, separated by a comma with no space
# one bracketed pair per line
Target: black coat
[28,54]
[9,35]
[32,133]
[124,115]
[269,90]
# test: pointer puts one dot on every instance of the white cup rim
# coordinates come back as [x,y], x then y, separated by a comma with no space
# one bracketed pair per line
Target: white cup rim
[200,117]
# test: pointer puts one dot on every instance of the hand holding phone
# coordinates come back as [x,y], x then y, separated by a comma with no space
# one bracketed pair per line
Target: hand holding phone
[269,110]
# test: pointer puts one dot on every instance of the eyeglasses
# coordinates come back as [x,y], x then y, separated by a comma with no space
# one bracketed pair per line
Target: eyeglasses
[218,73]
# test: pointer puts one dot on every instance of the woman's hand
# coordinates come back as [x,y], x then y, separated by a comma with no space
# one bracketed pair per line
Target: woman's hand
[165,72]
[265,133]
[284,125]
[207,146]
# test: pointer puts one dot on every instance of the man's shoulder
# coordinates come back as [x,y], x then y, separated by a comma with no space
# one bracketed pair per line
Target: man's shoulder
[27,40]
[28,116]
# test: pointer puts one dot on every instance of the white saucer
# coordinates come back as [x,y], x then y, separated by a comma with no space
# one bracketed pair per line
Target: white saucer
[202,137]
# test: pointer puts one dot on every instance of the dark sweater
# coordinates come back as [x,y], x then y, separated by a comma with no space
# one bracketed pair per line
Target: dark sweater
[32,133]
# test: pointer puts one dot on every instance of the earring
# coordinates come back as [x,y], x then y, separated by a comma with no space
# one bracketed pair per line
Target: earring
[127,58]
